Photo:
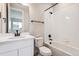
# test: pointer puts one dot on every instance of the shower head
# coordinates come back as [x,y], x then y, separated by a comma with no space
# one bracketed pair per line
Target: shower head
[50,12]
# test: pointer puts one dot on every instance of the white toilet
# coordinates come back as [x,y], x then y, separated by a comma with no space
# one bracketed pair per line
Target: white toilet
[45,51]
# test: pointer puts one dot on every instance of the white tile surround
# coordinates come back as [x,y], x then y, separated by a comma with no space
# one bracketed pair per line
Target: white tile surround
[63,24]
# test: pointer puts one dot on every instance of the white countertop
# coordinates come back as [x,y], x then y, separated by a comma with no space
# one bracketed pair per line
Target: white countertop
[11,37]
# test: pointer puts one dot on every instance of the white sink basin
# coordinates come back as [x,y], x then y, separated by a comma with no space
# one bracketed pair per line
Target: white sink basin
[16,38]
[11,37]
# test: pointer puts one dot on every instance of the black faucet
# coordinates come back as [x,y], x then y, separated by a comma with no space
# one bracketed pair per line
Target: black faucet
[17,33]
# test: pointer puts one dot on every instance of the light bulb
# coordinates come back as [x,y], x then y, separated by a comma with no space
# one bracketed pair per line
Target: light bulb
[25,4]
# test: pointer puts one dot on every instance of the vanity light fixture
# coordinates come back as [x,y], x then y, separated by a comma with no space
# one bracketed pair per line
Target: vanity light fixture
[25,4]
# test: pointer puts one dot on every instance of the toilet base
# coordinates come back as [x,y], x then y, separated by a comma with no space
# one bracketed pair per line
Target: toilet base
[45,51]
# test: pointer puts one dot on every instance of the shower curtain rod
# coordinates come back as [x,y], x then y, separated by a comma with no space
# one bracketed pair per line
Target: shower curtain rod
[51,6]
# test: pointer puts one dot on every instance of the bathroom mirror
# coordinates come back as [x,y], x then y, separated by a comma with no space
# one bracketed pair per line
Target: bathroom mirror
[16,17]
[15,21]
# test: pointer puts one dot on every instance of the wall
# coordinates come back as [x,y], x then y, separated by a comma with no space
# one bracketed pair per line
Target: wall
[65,23]
[0,18]
[48,25]
[36,13]
[3,15]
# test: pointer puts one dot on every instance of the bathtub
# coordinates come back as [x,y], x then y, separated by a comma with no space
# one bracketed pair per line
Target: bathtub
[61,49]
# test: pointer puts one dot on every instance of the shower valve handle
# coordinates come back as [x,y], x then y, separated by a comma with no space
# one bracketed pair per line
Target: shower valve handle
[50,39]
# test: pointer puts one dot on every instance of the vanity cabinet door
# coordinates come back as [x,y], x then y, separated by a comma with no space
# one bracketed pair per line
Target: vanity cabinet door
[9,53]
[26,51]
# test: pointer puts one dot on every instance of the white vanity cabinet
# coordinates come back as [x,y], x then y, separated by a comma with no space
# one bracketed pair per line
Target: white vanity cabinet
[26,51]
[9,53]
[24,47]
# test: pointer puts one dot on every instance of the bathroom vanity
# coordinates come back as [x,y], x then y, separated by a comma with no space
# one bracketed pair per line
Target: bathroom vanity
[17,46]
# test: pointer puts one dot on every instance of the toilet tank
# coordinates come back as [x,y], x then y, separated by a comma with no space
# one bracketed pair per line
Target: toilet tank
[39,42]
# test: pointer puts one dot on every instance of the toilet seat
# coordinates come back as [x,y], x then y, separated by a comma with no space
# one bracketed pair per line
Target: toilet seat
[45,51]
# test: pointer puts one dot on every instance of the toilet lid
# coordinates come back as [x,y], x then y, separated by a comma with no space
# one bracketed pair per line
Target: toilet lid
[45,51]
